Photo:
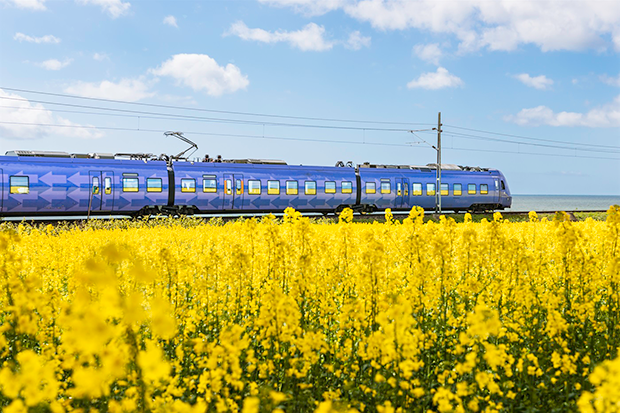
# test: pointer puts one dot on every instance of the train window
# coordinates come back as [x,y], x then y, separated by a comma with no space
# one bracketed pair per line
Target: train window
[503,186]
[130,183]
[371,187]
[95,187]
[330,187]
[153,184]
[273,187]
[484,189]
[310,187]
[292,187]
[386,186]
[416,189]
[239,186]
[430,189]
[457,190]
[107,185]
[399,189]
[445,189]
[406,185]
[471,189]
[228,186]
[347,187]
[253,187]
[188,185]
[20,184]
[209,183]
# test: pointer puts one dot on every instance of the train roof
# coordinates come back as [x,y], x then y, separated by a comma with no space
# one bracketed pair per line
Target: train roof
[150,157]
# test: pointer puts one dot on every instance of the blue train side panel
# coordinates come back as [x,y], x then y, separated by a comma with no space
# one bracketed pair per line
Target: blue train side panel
[262,188]
[76,186]
[54,185]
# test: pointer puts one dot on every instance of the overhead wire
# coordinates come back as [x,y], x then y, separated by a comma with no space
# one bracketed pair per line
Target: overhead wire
[214,110]
[223,120]
[529,138]
[281,138]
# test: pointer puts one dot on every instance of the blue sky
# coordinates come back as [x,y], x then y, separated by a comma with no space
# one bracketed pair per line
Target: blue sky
[542,76]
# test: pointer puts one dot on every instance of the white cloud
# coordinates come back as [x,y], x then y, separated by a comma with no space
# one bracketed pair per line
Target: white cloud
[28,4]
[130,90]
[48,38]
[605,116]
[310,38]
[201,72]
[428,52]
[55,64]
[496,25]
[541,82]
[356,41]
[612,81]
[115,8]
[171,21]
[31,121]
[435,80]
[100,57]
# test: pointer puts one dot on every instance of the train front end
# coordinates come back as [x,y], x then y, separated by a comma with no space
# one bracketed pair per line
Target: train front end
[505,197]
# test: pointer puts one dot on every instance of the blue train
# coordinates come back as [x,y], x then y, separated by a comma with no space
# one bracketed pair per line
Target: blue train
[56,183]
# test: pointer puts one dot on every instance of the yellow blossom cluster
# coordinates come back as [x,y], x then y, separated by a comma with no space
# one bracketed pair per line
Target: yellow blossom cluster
[293,315]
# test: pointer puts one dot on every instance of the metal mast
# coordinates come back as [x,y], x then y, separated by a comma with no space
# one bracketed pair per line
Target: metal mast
[438,189]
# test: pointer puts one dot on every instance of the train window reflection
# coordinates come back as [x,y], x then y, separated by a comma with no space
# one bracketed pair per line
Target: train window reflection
[188,185]
[130,183]
[430,189]
[416,189]
[471,189]
[347,187]
[371,187]
[254,187]
[330,187]
[310,187]
[107,185]
[95,187]
[228,186]
[457,189]
[153,184]
[273,187]
[386,186]
[484,189]
[209,183]
[20,185]
[292,187]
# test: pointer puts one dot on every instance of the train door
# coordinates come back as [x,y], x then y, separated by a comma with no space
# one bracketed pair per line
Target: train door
[1,189]
[238,191]
[94,191]
[496,191]
[107,191]
[228,198]
[402,193]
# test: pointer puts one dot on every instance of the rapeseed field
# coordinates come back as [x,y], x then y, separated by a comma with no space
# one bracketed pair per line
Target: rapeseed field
[290,315]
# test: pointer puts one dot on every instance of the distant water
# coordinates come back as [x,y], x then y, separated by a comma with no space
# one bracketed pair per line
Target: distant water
[528,203]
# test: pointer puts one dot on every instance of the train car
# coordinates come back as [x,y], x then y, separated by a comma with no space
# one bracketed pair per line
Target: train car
[58,183]
[404,186]
[262,186]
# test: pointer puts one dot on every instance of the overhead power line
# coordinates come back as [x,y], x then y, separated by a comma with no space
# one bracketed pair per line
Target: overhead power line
[214,110]
[282,138]
[543,145]
[223,120]
[530,138]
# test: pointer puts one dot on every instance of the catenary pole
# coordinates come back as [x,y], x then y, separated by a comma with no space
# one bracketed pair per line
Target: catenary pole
[438,188]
